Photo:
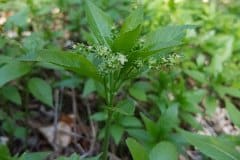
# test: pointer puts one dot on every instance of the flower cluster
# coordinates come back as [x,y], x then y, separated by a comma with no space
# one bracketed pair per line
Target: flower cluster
[163,62]
[109,61]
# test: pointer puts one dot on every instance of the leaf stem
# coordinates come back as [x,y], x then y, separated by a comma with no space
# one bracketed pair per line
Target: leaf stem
[110,96]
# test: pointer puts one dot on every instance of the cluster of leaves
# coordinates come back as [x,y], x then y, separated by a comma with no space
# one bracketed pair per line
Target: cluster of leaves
[116,54]
[211,64]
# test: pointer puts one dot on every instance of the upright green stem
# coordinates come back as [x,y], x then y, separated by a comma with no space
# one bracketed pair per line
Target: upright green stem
[107,135]
[109,97]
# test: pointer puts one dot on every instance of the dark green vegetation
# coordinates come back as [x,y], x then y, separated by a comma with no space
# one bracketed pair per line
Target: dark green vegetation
[127,79]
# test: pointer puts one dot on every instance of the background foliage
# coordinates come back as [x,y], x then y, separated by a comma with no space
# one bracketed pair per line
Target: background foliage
[159,108]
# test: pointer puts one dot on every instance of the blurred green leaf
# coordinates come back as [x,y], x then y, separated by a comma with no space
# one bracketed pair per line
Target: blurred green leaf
[11,93]
[4,153]
[99,116]
[89,87]
[117,133]
[196,75]
[12,71]
[41,90]
[233,112]
[128,121]
[138,92]
[164,151]
[100,23]
[129,33]
[224,54]
[125,107]
[213,147]
[137,150]
[165,37]
[34,156]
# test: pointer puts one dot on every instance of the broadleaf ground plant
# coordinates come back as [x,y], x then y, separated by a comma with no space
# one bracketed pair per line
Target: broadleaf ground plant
[117,55]
[118,77]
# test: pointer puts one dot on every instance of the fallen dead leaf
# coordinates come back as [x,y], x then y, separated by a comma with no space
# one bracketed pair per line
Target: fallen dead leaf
[63,138]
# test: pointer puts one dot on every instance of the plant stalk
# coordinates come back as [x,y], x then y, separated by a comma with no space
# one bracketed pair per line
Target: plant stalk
[107,135]
[110,94]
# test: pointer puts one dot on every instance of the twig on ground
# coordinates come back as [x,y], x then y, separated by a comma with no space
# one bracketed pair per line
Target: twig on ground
[76,120]
[56,110]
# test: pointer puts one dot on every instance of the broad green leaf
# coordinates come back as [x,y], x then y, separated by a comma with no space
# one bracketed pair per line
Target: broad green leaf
[130,32]
[12,71]
[164,151]
[17,20]
[125,107]
[168,120]
[99,116]
[137,150]
[100,23]
[117,133]
[89,87]
[138,92]
[233,112]
[68,83]
[11,93]
[165,37]
[69,60]
[128,121]
[213,147]
[210,105]
[196,75]
[41,90]
[5,59]
[139,134]
[223,90]
[224,54]
[4,153]
[151,127]
[33,43]
[34,156]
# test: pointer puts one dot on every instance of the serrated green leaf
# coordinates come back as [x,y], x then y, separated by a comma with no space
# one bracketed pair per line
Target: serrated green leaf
[213,147]
[130,32]
[100,23]
[164,151]
[137,150]
[41,90]
[165,37]
[12,71]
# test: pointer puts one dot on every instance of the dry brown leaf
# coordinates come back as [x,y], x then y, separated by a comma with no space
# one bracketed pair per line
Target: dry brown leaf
[63,138]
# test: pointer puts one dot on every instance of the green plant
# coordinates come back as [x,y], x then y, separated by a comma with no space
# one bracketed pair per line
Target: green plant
[115,57]
[5,155]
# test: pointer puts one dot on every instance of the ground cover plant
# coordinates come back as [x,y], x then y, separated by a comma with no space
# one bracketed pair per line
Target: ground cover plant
[119,80]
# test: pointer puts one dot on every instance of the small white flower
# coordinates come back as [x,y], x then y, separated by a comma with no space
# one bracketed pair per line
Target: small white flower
[122,59]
